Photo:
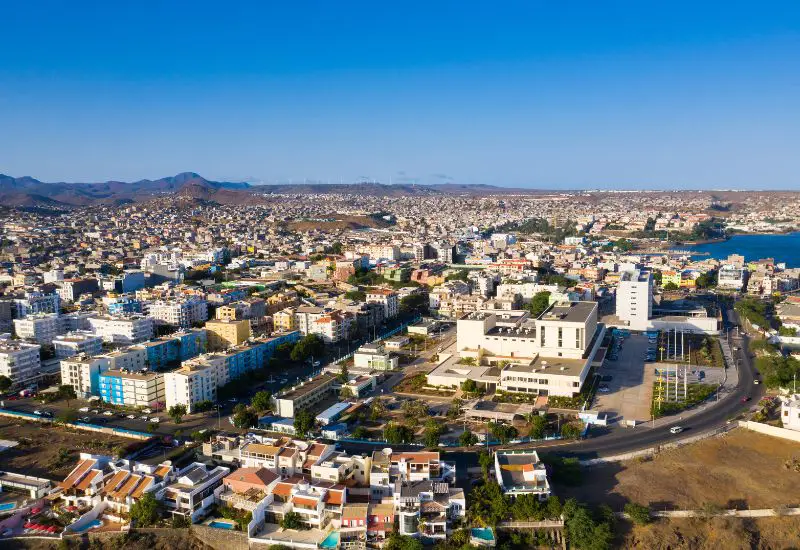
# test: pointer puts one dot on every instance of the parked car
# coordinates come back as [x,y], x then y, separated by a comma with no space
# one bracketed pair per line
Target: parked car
[95,411]
[37,412]
[131,417]
[108,413]
[147,411]
[84,409]
[155,420]
[47,414]
[676,429]
[604,389]
[145,418]
[86,419]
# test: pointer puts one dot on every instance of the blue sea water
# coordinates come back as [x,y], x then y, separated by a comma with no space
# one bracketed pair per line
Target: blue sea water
[784,248]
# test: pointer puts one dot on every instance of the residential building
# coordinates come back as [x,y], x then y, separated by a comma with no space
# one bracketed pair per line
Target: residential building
[193,491]
[387,298]
[790,411]
[37,302]
[521,473]
[732,277]
[77,342]
[19,361]
[40,327]
[71,289]
[374,357]
[182,313]
[82,372]
[129,329]
[195,381]
[225,333]
[140,388]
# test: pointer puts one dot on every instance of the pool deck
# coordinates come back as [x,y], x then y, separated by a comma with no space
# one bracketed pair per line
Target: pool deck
[275,534]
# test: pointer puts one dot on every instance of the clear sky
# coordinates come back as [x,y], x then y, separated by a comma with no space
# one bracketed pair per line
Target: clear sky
[576,94]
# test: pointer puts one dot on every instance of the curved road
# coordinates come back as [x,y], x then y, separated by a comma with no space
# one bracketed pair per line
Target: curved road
[625,440]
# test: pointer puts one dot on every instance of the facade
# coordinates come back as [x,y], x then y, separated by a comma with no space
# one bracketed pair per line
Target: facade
[193,491]
[305,395]
[196,381]
[132,358]
[129,329]
[37,302]
[41,328]
[388,299]
[132,388]
[790,412]
[82,372]
[635,298]
[226,333]
[732,277]
[71,289]
[19,361]
[183,313]
[77,342]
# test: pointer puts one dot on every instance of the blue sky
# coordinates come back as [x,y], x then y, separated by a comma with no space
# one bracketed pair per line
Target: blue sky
[535,94]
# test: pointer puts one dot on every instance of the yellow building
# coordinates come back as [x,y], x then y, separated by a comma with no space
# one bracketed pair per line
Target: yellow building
[284,319]
[673,277]
[223,333]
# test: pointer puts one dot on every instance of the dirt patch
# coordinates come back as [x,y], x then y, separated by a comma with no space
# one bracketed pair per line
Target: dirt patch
[162,540]
[714,534]
[50,451]
[739,470]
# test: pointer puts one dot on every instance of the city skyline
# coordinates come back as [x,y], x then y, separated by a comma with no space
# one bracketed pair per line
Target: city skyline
[586,97]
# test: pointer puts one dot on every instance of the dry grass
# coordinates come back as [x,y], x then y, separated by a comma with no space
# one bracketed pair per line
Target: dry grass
[715,534]
[50,451]
[741,469]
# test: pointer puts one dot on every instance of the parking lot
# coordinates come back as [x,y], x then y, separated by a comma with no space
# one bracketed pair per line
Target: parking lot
[630,388]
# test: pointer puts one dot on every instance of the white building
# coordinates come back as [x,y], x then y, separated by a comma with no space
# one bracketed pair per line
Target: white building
[140,388]
[37,302]
[195,381]
[182,313]
[635,298]
[193,492]
[387,298]
[82,372]
[732,277]
[20,361]
[790,412]
[129,329]
[521,473]
[77,342]
[41,328]
[133,358]
[373,357]
[304,395]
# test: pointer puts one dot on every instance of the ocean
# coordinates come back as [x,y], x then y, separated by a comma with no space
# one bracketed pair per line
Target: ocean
[784,248]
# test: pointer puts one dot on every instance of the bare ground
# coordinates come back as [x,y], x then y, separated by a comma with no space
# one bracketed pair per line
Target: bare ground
[50,451]
[739,470]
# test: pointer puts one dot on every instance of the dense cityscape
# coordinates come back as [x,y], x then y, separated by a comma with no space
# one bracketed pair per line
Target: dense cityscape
[355,370]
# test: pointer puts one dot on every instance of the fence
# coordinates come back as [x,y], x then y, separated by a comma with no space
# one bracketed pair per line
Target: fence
[122,432]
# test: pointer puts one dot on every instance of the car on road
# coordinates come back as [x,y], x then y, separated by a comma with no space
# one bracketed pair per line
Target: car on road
[147,411]
[108,413]
[95,411]
[756,381]
[83,410]
[746,398]
[37,412]
[155,420]
[86,419]
[232,400]
[145,418]
[604,389]
[47,414]
[131,417]
[675,430]
[316,363]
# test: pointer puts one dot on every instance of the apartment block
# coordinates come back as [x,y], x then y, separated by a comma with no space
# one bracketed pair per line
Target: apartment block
[82,372]
[305,395]
[129,329]
[225,333]
[140,388]
[19,361]
[77,342]
[195,381]
[41,328]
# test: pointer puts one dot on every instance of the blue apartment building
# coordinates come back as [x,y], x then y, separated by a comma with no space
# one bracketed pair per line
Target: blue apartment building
[175,348]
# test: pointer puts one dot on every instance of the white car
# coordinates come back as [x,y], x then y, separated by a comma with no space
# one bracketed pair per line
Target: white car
[147,411]
[155,420]
[108,413]
[675,430]
[131,417]
[604,389]
[37,412]
[145,418]
[84,409]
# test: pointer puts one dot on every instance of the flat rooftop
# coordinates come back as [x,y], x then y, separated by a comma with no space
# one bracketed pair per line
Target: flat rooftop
[309,386]
[573,312]
[550,365]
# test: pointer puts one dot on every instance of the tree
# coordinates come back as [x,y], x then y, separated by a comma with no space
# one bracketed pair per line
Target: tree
[262,401]
[503,432]
[455,409]
[485,461]
[414,303]
[177,412]
[346,392]
[360,433]
[638,513]
[203,406]
[433,431]
[570,431]
[356,295]
[467,439]
[344,374]
[378,410]
[283,351]
[5,383]
[303,422]
[180,522]
[145,511]
[469,386]
[292,520]
[671,286]
[460,275]
[396,541]
[309,346]
[539,303]
[397,433]
[66,391]
[584,532]
[245,418]
[538,425]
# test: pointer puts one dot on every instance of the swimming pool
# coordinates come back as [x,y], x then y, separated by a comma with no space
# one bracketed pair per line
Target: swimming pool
[219,524]
[91,525]
[6,506]
[483,533]
[331,541]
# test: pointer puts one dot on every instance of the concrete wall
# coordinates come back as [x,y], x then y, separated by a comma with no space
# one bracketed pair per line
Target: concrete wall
[774,431]
[221,539]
